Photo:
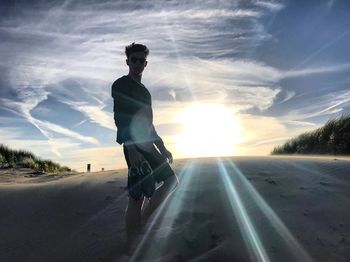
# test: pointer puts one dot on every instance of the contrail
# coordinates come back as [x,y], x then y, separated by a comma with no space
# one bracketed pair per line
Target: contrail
[307,59]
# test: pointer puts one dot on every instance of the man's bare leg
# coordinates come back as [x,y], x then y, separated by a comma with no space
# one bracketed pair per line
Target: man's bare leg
[160,194]
[133,221]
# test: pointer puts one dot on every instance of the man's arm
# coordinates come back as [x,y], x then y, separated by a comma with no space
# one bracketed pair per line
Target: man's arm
[160,145]
[121,113]
[157,140]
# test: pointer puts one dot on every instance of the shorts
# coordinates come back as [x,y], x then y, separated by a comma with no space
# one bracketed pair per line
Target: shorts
[161,168]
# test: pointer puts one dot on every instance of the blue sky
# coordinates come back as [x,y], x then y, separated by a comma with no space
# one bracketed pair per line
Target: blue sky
[281,67]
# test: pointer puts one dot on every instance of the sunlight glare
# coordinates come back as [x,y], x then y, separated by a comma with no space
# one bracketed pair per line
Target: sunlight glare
[208,130]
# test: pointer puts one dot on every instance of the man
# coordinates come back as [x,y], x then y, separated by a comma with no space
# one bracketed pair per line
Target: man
[133,117]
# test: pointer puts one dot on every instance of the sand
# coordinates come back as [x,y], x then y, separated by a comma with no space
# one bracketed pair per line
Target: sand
[233,209]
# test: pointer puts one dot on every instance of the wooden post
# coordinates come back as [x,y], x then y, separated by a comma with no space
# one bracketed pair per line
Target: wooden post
[88,167]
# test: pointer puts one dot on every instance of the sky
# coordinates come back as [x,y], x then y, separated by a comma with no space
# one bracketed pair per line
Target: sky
[226,77]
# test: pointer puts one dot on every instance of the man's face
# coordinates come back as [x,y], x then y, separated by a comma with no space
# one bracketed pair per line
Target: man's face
[137,62]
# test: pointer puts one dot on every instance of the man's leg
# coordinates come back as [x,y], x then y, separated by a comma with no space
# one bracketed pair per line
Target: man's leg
[133,220]
[159,196]
[162,172]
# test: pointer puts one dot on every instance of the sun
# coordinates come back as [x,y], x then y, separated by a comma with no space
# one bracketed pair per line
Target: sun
[208,130]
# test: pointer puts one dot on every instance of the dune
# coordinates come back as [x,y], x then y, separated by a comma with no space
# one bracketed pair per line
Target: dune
[229,209]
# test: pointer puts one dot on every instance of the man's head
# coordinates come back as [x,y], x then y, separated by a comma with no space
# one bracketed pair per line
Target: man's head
[136,57]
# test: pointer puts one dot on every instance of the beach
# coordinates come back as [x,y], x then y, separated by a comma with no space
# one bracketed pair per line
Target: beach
[224,209]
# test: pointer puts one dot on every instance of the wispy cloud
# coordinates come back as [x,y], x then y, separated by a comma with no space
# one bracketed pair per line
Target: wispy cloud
[324,105]
[261,141]
[244,83]
[78,42]
[16,138]
[330,3]
[46,128]
[316,70]
[271,5]
[52,128]
[288,96]
[96,115]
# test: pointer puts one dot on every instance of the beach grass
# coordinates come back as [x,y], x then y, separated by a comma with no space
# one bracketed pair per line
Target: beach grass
[332,139]
[10,158]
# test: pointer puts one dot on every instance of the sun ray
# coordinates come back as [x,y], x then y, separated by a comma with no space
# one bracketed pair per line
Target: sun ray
[245,225]
[296,249]
[168,209]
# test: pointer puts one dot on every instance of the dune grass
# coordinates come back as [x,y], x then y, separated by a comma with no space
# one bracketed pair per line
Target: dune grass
[332,139]
[10,158]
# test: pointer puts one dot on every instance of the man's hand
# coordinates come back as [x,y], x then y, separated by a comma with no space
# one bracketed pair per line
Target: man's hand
[167,155]
[135,157]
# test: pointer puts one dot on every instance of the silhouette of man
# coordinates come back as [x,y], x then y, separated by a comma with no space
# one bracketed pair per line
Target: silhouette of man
[133,117]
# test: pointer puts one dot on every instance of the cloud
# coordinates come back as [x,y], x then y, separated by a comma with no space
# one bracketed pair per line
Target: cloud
[299,123]
[46,128]
[261,141]
[212,13]
[316,70]
[244,83]
[273,6]
[200,51]
[70,51]
[330,3]
[89,47]
[16,138]
[287,96]
[96,115]
[74,155]
[327,104]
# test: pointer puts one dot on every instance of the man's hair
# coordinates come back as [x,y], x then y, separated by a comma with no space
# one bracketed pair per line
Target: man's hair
[132,48]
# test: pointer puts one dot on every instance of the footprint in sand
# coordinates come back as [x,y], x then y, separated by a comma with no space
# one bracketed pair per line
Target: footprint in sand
[283,196]
[216,239]
[178,258]
[108,198]
[271,181]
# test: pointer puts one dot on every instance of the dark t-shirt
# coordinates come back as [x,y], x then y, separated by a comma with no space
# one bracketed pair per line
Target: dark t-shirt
[133,114]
